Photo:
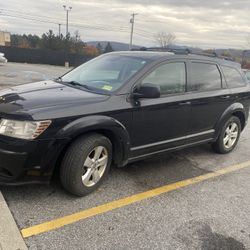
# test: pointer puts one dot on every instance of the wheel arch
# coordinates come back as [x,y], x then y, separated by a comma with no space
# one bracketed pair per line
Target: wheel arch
[103,125]
[242,118]
[236,109]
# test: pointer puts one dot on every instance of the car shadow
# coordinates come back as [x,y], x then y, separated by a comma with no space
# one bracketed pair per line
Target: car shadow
[138,176]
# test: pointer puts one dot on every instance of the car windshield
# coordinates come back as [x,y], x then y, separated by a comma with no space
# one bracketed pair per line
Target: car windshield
[105,73]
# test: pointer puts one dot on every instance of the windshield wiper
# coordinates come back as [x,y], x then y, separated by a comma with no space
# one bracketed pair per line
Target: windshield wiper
[75,83]
[83,86]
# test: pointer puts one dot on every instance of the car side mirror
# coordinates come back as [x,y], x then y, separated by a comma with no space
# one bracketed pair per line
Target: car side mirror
[147,90]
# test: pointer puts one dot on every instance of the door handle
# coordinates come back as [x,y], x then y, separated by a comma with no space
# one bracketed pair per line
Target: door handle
[184,103]
[225,97]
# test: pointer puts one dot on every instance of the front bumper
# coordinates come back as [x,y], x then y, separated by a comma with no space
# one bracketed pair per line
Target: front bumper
[24,161]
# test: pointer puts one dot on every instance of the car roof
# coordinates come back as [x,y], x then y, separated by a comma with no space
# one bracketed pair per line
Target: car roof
[155,56]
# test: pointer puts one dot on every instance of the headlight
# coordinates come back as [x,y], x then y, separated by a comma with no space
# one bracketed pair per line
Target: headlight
[23,129]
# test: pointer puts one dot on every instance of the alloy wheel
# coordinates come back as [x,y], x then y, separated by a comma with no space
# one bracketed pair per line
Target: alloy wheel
[94,166]
[231,135]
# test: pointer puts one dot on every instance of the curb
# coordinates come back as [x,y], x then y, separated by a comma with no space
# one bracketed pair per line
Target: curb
[10,236]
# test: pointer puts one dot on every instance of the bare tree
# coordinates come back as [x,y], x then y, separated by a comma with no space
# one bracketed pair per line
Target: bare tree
[77,36]
[164,39]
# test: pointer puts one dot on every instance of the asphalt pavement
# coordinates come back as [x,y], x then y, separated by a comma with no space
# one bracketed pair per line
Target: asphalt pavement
[213,214]
[12,74]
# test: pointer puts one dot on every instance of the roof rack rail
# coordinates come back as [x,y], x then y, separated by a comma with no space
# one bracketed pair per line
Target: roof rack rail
[185,51]
[176,51]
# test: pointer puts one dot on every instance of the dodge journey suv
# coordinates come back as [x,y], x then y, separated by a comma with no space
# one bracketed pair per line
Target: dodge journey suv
[116,109]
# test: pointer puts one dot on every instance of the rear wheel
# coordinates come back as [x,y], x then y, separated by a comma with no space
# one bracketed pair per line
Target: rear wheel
[86,164]
[228,137]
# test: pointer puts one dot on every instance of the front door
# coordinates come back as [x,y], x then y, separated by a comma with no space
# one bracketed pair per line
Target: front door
[161,123]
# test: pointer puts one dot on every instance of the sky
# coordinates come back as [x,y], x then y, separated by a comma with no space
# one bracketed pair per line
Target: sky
[198,23]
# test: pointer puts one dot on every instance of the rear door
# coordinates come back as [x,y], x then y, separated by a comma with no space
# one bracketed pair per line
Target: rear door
[211,97]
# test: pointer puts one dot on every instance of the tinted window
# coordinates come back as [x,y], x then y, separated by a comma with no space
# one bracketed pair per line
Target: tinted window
[170,77]
[233,77]
[205,77]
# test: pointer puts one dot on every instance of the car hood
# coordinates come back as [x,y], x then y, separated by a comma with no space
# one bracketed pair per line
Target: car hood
[41,96]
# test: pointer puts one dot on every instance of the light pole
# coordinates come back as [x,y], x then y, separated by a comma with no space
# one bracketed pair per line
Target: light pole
[59,24]
[132,21]
[67,9]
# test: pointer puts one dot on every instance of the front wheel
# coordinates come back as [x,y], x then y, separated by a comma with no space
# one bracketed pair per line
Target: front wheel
[86,163]
[229,136]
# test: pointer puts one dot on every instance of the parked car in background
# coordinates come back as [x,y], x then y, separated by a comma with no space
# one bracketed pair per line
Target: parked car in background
[115,109]
[2,58]
[247,73]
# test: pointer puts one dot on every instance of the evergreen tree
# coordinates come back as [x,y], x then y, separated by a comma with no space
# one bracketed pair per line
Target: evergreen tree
[34,41]
[99,48]
[49,40]
[108,48]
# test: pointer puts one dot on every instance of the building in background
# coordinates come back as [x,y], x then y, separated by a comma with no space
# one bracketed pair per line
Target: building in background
[4,38]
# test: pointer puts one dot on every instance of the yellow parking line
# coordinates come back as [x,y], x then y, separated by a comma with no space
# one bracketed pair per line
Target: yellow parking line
[63,221]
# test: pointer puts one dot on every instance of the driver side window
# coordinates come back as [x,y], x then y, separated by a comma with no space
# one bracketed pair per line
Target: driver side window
[171,78]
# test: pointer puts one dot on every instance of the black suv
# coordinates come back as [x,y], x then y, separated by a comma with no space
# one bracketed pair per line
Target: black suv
[116,109]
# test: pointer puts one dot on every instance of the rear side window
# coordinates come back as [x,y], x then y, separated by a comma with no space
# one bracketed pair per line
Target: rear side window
[233,77]
[205,77]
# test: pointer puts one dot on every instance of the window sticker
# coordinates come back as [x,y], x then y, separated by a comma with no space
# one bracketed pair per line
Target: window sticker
[107,87]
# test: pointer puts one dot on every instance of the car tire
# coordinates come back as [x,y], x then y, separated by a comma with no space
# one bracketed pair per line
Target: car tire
[229,136]
[86,164]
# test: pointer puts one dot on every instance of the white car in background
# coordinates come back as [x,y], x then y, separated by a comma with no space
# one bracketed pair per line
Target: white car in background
[247,73]
[2,58]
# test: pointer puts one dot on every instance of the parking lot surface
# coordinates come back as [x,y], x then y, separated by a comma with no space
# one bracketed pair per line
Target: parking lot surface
[210,214]
[18,73]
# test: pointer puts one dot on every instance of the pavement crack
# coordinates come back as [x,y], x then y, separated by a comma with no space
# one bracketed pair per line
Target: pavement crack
[193,163]
[204,170]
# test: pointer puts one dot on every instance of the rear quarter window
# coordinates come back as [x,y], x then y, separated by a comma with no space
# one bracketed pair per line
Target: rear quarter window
[233,77]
